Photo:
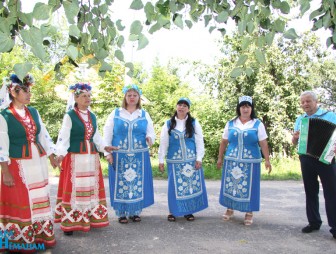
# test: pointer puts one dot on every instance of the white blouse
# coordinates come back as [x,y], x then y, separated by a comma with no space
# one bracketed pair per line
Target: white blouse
[44,137]
[63,141]
[180,126]
[109,125]
[262,135]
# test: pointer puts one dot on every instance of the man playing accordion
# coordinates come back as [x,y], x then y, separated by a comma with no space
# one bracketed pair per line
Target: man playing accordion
[312,168]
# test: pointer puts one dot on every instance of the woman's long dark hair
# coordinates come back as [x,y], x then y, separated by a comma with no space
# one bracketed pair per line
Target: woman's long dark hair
[253,114]
[189,124]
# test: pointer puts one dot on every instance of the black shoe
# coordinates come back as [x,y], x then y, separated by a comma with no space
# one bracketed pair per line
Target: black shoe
[309,228]
[123,220]
[189,217]
[135,218]
[68,232]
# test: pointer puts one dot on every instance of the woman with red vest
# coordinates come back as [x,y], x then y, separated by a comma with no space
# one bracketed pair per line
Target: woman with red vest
[81,201]
[25,212]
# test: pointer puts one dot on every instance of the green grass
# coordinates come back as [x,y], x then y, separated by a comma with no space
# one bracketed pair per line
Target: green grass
[282,169]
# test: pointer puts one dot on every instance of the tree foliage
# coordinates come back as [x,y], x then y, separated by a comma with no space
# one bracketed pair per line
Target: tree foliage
[327,83]
[108,94]
[293,67]
[50,91]
[161,92]
[44,97]
[93,33]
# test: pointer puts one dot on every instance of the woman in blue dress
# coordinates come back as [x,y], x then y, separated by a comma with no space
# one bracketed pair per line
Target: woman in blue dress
[182,144]
[131,129]
[241,141]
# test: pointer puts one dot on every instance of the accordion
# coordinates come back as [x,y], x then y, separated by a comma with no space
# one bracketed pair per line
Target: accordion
[317,139]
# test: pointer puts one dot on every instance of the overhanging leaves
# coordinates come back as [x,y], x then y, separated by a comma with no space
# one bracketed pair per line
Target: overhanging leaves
[39,51]
[6,43]
[74,31]
[105,67]
[42,11]
[242,59]
[245,43]
[279,25]
[71,9]
[178,21]
[291,34]
[143,41]
[119,55]
[260,56]
[269,37]
[136,5]
[92,27]
[27,18]
[21,69]
[120,27]
[136,27]
[222,17]
[305,6]
[32,36]
[284,7]
[236,72]
[72,52]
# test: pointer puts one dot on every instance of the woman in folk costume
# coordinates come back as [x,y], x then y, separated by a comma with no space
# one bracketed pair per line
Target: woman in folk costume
[81,201]
[241,141]
[182,143]
[25,144]
[130,128]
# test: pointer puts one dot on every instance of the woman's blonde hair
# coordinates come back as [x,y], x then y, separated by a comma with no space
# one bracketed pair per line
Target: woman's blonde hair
[124,103]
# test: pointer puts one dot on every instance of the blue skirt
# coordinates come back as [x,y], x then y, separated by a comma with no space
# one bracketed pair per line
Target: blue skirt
[131,183]
[240,187]
[186,189]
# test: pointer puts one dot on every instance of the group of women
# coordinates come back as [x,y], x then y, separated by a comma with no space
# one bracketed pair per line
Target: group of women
[25,208]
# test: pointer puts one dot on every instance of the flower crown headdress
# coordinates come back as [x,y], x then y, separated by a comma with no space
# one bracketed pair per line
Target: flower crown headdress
[133,87]
[11,83]
[76,89]
[79,88]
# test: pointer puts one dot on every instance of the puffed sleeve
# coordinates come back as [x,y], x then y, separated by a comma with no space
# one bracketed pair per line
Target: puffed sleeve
[164,142]
[45,139]
[99,141]
[262,135]
[108,130]
[199,142]
[150,128]
[63,141]
[226,131]
[4,140]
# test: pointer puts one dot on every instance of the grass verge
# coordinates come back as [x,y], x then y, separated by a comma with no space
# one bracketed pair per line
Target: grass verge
[282,169]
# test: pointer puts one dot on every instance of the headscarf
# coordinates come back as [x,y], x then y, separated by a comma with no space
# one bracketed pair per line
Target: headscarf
[131,87]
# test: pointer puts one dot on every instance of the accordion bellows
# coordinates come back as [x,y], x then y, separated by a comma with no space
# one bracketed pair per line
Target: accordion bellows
[317,139]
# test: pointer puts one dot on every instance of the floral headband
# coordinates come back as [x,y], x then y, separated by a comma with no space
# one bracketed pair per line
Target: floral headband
[13,81]
[10,84]
[79,88]
[133,87]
